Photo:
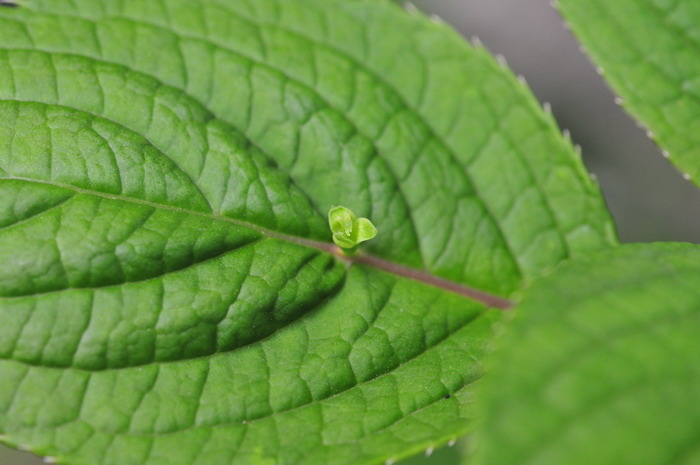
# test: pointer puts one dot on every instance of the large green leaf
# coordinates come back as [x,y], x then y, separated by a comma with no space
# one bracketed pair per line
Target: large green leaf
[600,365]
[169,293]
[649,51]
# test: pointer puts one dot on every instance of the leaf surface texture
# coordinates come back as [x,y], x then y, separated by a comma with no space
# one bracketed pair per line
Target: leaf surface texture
[168,294]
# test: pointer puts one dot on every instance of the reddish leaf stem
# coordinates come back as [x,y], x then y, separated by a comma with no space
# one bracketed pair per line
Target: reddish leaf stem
[421,276]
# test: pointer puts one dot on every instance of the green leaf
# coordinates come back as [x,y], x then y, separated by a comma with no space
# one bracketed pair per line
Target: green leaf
[649,51]
[600,365]
[170,292]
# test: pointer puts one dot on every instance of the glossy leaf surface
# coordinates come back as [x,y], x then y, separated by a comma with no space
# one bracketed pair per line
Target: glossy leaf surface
[169,290]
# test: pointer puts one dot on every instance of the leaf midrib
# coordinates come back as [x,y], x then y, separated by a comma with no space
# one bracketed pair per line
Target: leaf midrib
[373,261]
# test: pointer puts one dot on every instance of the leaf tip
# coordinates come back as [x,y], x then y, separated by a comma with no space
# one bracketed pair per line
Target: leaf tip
[410,7]
[502,60]
[436,19]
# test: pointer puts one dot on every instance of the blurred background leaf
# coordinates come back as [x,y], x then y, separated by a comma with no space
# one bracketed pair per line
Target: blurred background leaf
[650,53]
[599,365]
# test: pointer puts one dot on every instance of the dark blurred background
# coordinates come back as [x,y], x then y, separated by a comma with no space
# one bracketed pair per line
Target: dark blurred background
[647,196]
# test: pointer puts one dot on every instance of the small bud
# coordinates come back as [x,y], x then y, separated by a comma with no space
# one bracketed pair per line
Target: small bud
[348,230]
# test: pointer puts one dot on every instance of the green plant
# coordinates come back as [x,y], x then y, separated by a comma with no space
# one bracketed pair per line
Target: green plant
[170,292]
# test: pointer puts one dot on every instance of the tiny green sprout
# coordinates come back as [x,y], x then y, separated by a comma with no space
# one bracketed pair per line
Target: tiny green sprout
[349,230]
